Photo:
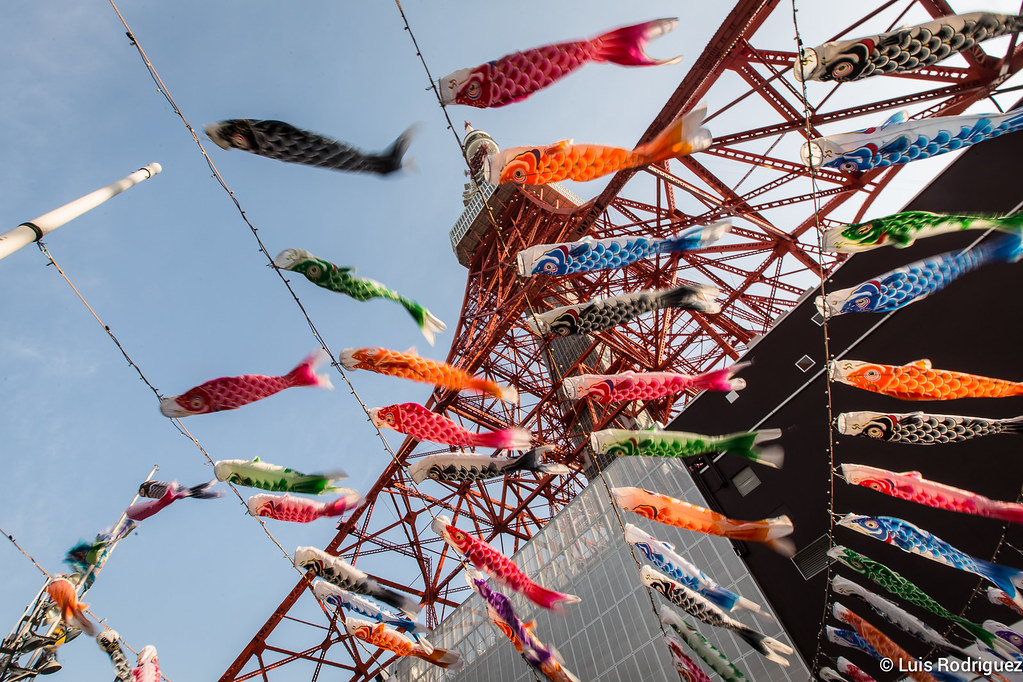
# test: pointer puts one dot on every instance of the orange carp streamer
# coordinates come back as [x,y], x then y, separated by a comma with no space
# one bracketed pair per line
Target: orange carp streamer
[410,366]
[566,161]
[384,637]
[918,381]
[884,646]
[673,512]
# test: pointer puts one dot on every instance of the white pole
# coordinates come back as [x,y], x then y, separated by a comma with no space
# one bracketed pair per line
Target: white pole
[33,230]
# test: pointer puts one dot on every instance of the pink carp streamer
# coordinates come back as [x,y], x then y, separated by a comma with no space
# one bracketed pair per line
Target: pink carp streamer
[673,512]
[516,76]
[606,388]
[912,486]
[415,420]
[300,510]
[498,566]
[230,393]
[147,667]
[168,493]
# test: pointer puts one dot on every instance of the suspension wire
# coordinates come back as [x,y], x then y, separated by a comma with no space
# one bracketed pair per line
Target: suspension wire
[162,88]
[815,192]
[532,310]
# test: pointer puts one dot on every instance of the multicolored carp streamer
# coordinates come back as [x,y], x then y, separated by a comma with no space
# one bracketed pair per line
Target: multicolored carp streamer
[663,556]
[717,661]
[904,589]
[849,638]
[467,466]
[342,280]
[498,566]
[997,596]
[581,162]
[300,510]
[604,313]
[417,421]
[608,388]
[339,572]
[230,393]
[86,558]
[167,493]
[910,538]
[903,229]
[917,281]
[1008,635]
[380,635]
[847,667]
[918,381]
[668,510]
[700,608]
[897,616]
[516,76]
[621,442]
[147,667]
[912,486]
[590,255]
[900,140]
[110,642]
[917,428]
[882,644]
[408,365]
[340,598]
[285,142]
[253,473]
[64,596]
[686,667]
[903,49]
[499,608]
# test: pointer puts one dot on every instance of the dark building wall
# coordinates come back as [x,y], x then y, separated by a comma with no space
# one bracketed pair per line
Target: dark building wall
[974,326]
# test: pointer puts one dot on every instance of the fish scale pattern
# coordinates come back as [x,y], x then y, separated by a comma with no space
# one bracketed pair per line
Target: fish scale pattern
[912,146]
[935,429]
[903,229]
[531,70]
[279,140]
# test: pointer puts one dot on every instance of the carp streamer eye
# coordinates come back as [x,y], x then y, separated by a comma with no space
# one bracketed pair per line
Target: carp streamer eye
[474,90]
[196,403]
[314,272]
[550,267]
[849,166]
[875,432]
[389,418]
[872,375]
[519,175]
[239,140]
[842,70]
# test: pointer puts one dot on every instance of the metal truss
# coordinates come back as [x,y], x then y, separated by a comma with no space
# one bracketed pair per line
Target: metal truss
[762,267]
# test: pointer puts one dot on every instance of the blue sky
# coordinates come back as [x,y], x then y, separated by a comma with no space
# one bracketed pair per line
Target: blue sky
[176,274]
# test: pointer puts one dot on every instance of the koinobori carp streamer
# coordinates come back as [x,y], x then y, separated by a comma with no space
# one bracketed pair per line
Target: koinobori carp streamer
[516,76]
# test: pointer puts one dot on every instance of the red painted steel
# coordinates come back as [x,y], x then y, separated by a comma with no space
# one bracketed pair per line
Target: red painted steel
[766,263]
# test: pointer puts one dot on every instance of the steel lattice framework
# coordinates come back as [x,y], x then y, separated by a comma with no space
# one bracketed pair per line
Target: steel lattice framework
[762,268]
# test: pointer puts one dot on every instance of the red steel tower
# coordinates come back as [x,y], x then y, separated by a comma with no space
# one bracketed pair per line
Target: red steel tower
[750,175]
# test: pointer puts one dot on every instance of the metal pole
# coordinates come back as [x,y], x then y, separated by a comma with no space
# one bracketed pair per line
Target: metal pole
[10,650]
[33,230]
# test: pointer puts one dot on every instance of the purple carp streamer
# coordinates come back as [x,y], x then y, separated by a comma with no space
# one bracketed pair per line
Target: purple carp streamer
[609,388]
[285,142]
[910,538]
[904,49]
[916,281]
[912,486]
[516,76]
[917,428]
[590,255]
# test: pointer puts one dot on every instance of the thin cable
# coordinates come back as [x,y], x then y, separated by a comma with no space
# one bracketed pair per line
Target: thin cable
[815,193]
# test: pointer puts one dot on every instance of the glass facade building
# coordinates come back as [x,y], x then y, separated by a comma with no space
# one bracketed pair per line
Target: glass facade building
[613,634]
